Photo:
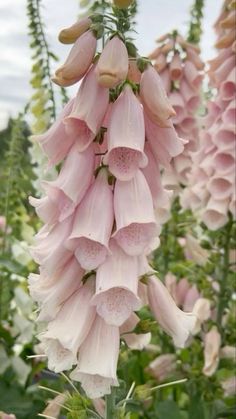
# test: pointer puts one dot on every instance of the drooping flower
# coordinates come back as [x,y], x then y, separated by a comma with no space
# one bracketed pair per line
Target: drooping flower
[116,294]
[212,343]
[178,324]
[98,356]
[113,63]
[89,238]
[126,136]
[71,34]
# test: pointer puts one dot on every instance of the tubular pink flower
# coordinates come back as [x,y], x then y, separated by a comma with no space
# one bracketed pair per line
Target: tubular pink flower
[202,310]
[113,63]
[134,214]
[162,367]
[133,340]
[192,295]
[165,139]
[229,114]
[154,98]
[228,87]
[117,287]
[126,136]
[88,111]
[71,34]
[55,142]
[212,345]
[51,291]
[89,237]
[79,59]
[49,250]
[174,322]
[98,356]
[178,104]
[176,67]
[75,177]
[190,96]
[192,75]
[215,214]
[65,334]
[161,197]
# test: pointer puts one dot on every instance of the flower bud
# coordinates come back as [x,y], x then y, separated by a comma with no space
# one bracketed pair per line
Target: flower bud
[113,64]
[122,4]
[71,34]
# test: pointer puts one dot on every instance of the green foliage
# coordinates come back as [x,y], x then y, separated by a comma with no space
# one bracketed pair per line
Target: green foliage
[195,29]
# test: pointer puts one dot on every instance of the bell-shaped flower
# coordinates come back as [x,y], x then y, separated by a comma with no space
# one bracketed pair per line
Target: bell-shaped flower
[212,343]
[51,291]
[65,334]
[228,87]
[79,59]
[135,341]
[164,142]
[176,67]
[98,357]
[135,220]
[190,96]
[220,187]
[75,177]
[89,238]
[160,63]
[166,81]
[162,367]
[117,287]
[178,104]
[192,75]
[126,136]
[49,250]
[113,63]
[194,251]
[154,98]
[178,324]
[229,386]
[71,34]
[90,106]
[193,56]
[161,197]
[192,295]
[229,114]
[223,70]
[224,162]
[202,310]
[215,213]
[55,142]
[46,209]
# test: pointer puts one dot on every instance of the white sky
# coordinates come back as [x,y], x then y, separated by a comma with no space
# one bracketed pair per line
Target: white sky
[155,17]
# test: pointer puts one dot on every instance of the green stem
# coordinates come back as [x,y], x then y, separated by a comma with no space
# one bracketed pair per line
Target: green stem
[110,405]
[224,272]
[195,30]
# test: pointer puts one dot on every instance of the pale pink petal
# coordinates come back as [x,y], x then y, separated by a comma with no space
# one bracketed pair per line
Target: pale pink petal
[134,214]
[133,340]
[98,356]
[90,236]
[212,343]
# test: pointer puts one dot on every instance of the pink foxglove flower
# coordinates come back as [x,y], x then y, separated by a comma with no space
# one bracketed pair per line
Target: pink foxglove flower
[116,294]
[89,238]
[89,108]
[64,335]
[134,214]
[67,191]
[51,291]
[55,142]
[98,356]
[49,250]
[126,136]
[154,98]
[79,59]
[162,367]
[113,63]
[178,324]
[71,34]
[202,310]
[212,343]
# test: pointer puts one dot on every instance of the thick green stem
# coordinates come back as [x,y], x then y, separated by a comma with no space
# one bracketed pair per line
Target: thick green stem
[110,405]
[224,272]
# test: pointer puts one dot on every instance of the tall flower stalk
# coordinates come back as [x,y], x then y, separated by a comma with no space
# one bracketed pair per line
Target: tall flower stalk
[103,213]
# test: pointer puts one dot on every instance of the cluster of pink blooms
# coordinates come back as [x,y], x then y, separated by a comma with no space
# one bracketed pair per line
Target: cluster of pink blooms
[180,68]
[212,187]
[103,213]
